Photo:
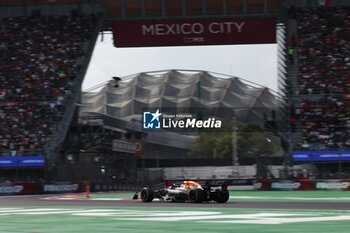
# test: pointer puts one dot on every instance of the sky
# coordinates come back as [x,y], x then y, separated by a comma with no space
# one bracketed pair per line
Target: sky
[255,63]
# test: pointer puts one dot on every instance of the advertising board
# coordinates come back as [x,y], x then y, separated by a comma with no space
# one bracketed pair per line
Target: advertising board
[220,31]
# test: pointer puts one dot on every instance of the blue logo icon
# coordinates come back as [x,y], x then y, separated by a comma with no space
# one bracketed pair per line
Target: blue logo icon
[151,120]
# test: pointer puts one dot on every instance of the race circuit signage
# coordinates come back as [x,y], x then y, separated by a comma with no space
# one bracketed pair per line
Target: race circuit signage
[194,32]
[27,161]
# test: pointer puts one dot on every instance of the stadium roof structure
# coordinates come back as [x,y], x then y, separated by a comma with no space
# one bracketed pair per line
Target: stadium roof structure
[215,94]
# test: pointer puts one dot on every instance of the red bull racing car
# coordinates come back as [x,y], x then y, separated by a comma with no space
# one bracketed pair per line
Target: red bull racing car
[190,191]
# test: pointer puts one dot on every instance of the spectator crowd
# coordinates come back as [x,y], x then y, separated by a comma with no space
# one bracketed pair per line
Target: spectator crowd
[324,123]
[324,78]
[39,61]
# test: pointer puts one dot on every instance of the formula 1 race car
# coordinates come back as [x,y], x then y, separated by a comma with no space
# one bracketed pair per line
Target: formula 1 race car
[187,191]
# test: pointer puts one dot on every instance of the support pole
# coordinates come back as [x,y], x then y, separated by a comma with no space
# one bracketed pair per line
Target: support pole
[235,163]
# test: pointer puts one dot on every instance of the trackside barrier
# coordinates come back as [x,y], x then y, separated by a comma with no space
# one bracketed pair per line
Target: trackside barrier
[96,187]
[65,187]
[80,186]
[333,185]
[42,188]
[343,185]
[262,185]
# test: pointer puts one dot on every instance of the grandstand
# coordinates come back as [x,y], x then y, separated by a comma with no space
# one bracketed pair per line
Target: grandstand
[317,83]
[46,63]
[44,55]
[320,94]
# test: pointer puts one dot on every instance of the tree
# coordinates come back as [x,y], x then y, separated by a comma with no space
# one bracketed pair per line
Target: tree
[251,142]
[203,146]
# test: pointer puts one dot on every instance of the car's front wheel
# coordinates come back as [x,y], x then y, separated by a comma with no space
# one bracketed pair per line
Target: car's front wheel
[147,194]
[195,195]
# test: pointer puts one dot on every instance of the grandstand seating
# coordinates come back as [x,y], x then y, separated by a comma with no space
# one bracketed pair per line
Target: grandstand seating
[322,106]
[39,61]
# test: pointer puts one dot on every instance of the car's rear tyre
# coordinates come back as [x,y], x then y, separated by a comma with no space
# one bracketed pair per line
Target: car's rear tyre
[222,196]
[147,194]
[195,195]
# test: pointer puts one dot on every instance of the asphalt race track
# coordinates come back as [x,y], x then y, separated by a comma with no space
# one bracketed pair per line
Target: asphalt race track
[116,212]
[38,201]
